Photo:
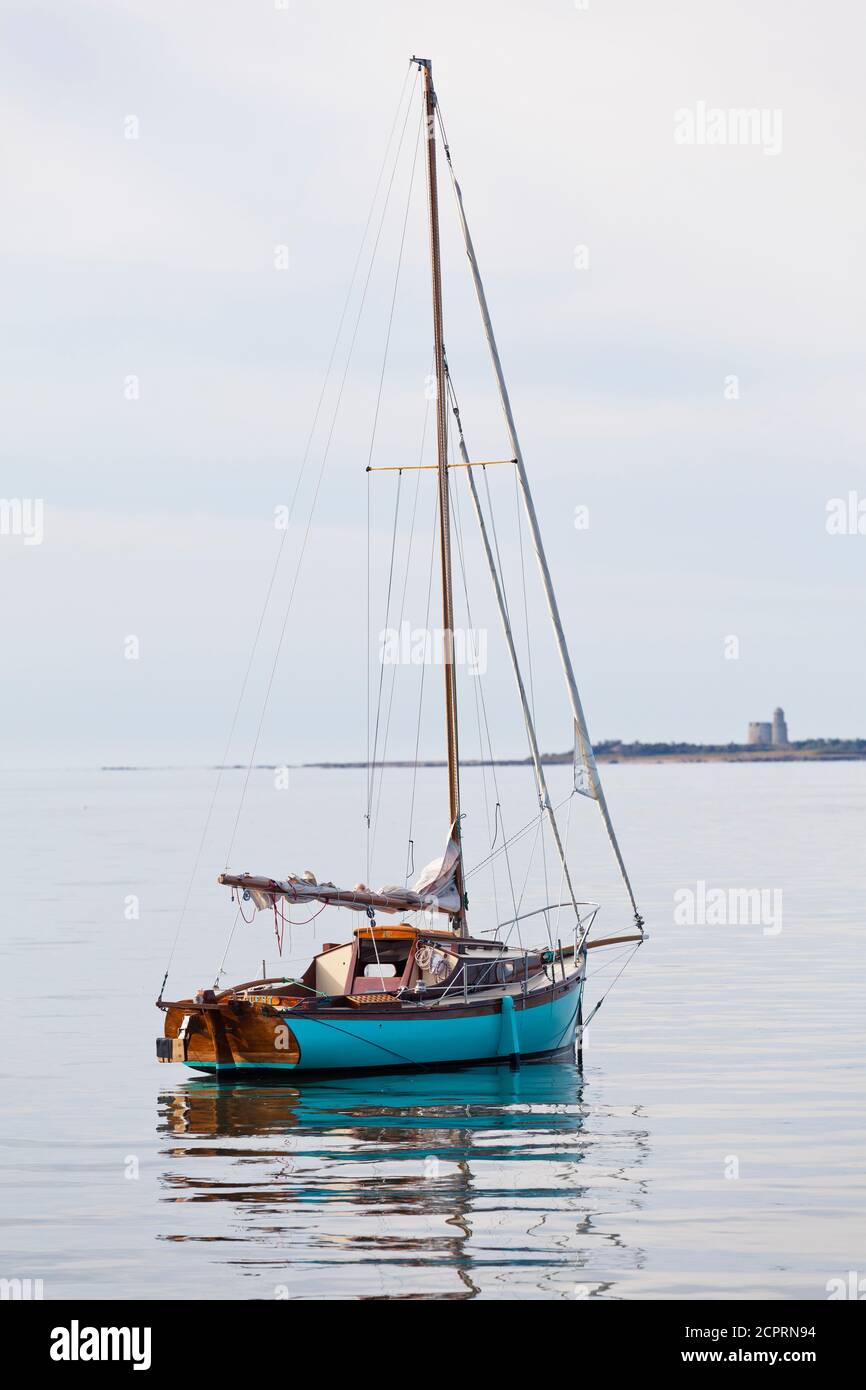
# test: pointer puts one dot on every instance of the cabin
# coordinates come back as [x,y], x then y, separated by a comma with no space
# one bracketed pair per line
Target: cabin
[403,959]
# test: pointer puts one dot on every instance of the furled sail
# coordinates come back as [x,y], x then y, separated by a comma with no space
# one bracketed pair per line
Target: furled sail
[586,779]
[437,879]
[435,889]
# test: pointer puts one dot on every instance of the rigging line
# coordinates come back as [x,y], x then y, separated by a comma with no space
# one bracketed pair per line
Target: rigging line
[238,916]
[445,146]
[369,498]
[489,742]
[423,672]
[518,835]
[567,1028]
[499,564]
[581,733]
[624,967]
[496,823]
[293,960]
[394,672]
[410,847]
[456,415]
[394,294]
[293,922]
[381,761]
[525,603]
[503,849]
[221,769]
[455,509]
[372,765]
[369,668]
[544,864]
[539,830]
[540,780]
[562,866]
[529,666]
[455,409]
[276,566]
[371,775]
[375,947]
[593,974]
[348,298]
[380,1047]
[477,683]
[322,466]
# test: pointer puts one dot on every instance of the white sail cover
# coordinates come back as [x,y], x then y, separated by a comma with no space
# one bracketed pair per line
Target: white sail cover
[586,780]
[435,889]
[436,879]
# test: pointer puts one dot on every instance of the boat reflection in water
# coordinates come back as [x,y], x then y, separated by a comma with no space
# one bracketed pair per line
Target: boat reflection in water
[481,1182]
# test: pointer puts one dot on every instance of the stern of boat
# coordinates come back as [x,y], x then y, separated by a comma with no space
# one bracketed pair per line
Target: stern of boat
[212,1032]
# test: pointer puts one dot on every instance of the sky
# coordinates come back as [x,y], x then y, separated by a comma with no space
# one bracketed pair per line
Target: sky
[681,323]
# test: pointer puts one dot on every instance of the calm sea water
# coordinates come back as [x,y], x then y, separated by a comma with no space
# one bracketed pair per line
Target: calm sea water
[711,1146]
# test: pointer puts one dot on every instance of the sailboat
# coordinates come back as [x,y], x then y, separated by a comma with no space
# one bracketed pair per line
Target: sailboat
[414,986]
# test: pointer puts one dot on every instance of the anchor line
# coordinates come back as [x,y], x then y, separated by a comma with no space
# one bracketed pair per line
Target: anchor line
[597,1006]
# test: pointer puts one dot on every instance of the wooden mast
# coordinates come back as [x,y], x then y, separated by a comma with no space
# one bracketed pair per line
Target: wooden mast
[426,68]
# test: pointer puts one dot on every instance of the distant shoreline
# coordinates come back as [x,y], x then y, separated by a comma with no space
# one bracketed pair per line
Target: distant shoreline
[812,750]
[809,751]
[764,755]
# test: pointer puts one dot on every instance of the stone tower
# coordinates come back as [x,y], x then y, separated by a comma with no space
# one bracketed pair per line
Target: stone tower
[760,734]
[780,729]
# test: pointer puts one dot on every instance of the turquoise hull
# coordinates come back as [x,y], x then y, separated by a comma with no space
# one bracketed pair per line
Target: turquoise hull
[347,1042]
